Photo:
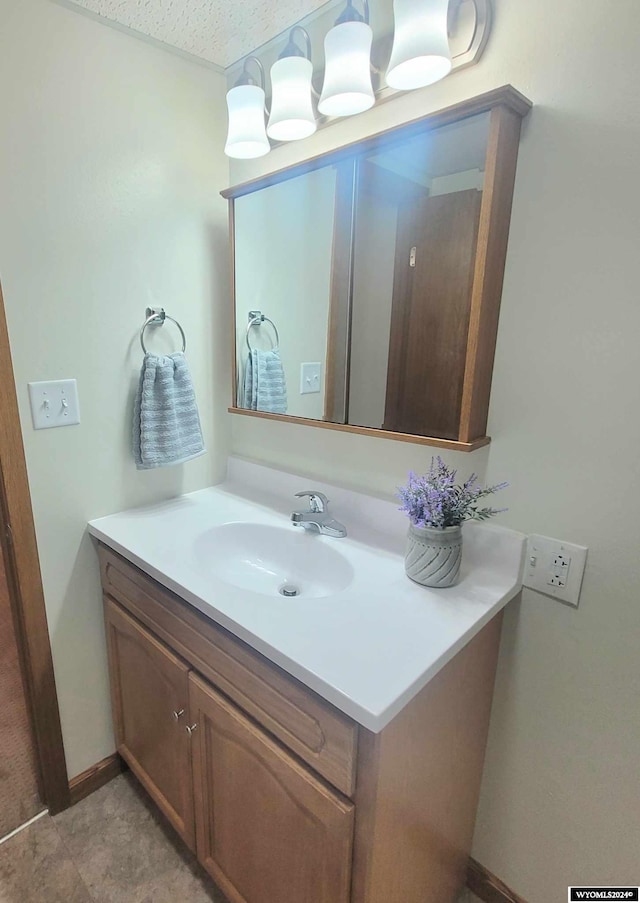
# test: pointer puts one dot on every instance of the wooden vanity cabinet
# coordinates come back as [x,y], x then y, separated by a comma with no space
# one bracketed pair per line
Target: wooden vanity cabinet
[289,801]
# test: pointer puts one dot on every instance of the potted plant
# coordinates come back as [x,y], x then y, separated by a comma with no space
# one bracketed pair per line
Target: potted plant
[437,506]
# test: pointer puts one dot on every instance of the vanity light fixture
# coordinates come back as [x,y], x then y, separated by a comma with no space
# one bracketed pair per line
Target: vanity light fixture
[292,116]
[246,136]
[347,87]
[420,54]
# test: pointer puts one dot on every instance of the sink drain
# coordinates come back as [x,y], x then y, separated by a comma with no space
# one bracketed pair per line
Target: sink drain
[288,589]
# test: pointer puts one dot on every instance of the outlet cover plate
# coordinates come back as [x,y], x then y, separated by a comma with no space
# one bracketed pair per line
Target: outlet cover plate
[54,403]
[555,568]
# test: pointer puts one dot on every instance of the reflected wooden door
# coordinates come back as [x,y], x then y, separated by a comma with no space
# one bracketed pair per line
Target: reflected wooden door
[435,255]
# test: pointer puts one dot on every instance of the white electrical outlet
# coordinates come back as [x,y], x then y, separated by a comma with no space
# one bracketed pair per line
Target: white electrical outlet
[54,403]
[555,567]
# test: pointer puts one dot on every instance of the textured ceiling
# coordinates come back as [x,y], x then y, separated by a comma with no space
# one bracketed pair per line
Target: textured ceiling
[219,31]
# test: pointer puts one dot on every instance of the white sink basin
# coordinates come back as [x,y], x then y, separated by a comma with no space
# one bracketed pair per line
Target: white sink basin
[273,560]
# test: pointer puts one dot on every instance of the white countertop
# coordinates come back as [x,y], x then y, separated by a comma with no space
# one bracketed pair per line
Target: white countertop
[369,648]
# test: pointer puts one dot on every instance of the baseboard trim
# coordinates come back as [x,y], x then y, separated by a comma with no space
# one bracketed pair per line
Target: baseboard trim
[487,887]
[95,777]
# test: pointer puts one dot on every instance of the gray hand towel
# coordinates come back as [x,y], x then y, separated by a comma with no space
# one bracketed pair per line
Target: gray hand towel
[264,386]
[166,425]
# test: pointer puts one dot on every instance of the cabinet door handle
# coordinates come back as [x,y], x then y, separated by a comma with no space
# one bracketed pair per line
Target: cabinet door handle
[178,715]
[191,729]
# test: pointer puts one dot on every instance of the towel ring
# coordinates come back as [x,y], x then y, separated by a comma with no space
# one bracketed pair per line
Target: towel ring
[160,318]
[255,321]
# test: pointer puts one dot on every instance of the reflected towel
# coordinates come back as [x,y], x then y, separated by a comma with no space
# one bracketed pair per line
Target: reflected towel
[166,424]
[264,386]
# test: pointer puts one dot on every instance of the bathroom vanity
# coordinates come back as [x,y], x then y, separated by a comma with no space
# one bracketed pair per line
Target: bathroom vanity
[324,748]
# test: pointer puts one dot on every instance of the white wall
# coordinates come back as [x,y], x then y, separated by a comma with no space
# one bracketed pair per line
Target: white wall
[110,165]
[283,248]
[560,789]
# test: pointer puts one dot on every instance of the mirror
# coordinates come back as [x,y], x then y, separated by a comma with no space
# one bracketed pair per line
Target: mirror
[283,262]
[356,279]
[417,214]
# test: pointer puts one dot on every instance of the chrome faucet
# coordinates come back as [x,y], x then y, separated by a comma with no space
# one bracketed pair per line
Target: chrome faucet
[317,518]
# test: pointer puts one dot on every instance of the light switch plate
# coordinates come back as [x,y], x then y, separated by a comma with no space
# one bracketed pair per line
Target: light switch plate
[310,378]
[555,568]
[54,403]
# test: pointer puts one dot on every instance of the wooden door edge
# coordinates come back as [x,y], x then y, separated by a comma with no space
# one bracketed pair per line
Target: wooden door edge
[487,887]
[18,540]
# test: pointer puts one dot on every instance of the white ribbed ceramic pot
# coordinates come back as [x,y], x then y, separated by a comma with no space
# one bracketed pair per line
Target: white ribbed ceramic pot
[433,555]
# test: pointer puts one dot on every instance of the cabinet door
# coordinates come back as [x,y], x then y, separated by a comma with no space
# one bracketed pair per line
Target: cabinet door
[150,698]
[267,829]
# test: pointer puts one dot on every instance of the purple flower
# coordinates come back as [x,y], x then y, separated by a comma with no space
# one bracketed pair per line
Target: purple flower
[435,500]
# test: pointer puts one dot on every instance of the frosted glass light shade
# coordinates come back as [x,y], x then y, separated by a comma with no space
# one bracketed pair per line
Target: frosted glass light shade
[347,85]
[291,110]
[420,54]
[246,137]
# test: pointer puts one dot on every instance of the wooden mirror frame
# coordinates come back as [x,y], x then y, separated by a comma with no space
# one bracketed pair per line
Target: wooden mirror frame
[506,108]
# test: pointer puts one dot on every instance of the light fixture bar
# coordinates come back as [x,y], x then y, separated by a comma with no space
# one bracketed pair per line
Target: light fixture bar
[420,55]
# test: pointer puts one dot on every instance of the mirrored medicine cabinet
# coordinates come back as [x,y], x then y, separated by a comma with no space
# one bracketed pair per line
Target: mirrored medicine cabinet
[375,274]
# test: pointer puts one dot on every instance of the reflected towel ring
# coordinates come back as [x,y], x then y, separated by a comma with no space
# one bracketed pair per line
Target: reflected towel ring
[256,321]
[159,318]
